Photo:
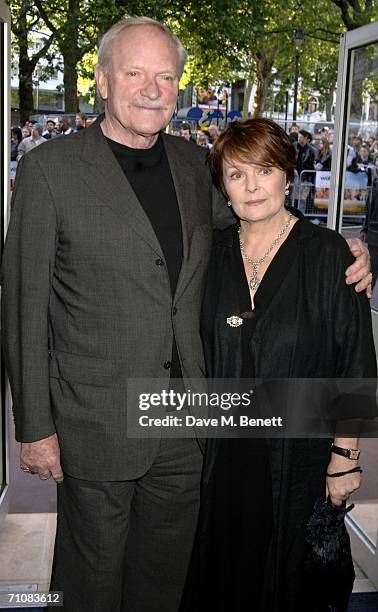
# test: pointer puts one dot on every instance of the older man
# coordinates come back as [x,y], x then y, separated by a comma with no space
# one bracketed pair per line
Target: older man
[102,285]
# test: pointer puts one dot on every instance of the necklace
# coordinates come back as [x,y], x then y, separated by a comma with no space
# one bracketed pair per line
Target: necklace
[255,281]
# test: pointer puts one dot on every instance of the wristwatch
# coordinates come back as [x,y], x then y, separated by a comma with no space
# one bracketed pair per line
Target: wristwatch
[349,453]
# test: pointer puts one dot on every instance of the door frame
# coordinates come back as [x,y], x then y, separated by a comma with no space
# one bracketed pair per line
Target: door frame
[365,551]
[5,213]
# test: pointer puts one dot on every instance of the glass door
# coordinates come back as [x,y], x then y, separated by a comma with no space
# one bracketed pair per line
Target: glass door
[354,212]
[4,204]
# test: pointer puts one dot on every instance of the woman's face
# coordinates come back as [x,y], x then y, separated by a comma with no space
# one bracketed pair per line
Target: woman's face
[256,193]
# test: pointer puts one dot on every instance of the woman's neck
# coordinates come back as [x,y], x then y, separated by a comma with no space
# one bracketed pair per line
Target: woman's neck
[264,230]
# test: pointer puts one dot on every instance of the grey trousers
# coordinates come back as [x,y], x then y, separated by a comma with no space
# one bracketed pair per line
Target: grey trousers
[125,546]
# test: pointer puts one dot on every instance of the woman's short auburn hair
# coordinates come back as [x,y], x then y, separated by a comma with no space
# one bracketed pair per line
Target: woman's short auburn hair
[257,141]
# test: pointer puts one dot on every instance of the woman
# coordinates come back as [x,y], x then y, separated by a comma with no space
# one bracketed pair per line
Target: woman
[26,132]
[283,278]
[16,137]
[323,158]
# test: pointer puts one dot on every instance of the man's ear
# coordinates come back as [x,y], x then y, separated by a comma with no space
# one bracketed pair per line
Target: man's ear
[102,81]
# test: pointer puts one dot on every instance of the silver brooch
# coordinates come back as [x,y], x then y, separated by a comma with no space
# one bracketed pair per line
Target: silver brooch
[234,321]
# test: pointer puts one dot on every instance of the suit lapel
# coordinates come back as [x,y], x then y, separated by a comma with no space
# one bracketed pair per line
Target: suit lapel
[182,175]
[107,180]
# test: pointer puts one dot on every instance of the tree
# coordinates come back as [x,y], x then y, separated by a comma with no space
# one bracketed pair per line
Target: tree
[74,35]
[26,24]
[356,13]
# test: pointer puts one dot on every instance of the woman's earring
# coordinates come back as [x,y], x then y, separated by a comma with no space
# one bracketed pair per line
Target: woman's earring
[229,204]
[287,190]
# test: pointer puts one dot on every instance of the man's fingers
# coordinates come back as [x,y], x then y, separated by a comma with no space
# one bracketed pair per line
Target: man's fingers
[42,457]
[44,475]
[365,283]
[57,472]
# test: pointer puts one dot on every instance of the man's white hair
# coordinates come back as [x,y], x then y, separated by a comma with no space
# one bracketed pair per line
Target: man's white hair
[104,52]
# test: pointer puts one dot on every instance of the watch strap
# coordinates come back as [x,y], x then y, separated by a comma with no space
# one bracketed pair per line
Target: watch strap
[349,453]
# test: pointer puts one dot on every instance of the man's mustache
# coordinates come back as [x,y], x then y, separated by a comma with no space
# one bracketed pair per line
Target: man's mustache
[153,105]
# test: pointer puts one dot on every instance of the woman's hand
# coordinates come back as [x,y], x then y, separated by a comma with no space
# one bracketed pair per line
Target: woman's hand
[340,488]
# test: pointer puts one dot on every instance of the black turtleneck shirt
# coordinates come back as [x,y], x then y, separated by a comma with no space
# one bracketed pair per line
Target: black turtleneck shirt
[149,174]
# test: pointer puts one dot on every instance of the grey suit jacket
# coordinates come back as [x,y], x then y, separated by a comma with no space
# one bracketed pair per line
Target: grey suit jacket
[86,305]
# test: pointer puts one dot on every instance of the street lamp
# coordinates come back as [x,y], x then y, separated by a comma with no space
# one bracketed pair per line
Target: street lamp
[298,38]
[287,85]
[36,75]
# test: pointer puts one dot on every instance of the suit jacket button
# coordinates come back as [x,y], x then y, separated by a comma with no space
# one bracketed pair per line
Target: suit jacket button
[168,365]
[159,262]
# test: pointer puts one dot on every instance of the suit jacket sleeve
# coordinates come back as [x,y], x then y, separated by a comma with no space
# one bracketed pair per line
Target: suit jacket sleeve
[27,271]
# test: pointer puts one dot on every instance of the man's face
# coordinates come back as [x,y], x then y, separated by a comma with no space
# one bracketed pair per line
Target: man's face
[79,120]
[140,84]
[364,153]
[303,140]
[35,133]
[356,143]
[50,126]
[185,134]
[213,132]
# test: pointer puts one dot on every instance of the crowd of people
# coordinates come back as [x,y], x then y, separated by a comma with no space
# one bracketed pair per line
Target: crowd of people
[314,152]
[33,133]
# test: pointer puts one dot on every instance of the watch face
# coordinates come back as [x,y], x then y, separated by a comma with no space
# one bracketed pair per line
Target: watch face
[354,454]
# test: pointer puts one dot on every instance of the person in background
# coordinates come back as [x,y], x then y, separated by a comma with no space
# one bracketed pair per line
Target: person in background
[203,139]
[26,132]
[293,133]
[363,163]
[16,138]
[305,155]
[374,148]
[213,132]
[323,157]
[186,132]
[80,121]
[50,131]
[324,132]
[65,128]
[29,143]
[353,151]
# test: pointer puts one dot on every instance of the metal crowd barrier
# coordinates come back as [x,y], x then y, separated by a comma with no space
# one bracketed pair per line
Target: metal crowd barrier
[312,199]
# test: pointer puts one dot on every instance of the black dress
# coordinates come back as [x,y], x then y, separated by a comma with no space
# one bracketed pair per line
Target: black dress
[258,493]
[238,517]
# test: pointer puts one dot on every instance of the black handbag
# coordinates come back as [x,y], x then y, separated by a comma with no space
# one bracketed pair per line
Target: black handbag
[329,570]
